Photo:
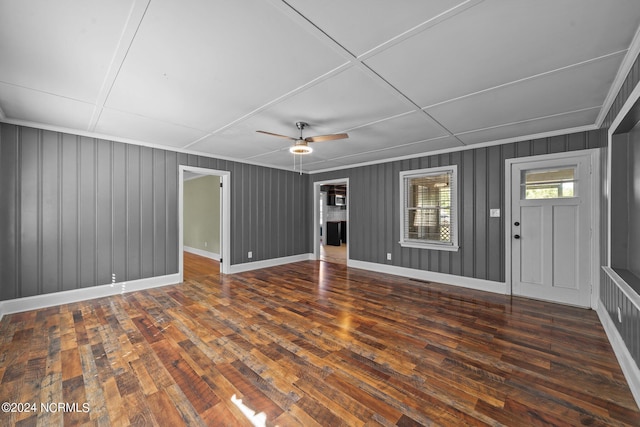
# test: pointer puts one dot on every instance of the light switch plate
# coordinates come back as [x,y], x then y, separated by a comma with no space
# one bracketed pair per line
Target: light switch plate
[494,213]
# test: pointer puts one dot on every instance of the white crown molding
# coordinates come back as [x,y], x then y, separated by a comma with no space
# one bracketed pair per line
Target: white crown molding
[130,141]
[464,148]
[75,295]
[627,62]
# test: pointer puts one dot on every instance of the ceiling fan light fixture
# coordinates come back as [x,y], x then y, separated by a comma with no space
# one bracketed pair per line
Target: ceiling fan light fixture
[300,149]
[301,145]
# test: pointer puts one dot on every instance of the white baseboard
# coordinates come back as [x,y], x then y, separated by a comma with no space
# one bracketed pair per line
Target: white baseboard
[448,279]
[65,297]
[629,367]
[248,266]
[201,252]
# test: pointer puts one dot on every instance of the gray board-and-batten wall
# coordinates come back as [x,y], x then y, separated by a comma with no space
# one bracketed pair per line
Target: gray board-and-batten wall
[374,213]
[76,210]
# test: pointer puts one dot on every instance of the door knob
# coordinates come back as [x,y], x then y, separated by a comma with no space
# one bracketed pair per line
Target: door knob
[516,236]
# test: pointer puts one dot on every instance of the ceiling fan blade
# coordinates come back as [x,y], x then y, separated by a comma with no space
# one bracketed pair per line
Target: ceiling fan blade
[278,135]
[320,138]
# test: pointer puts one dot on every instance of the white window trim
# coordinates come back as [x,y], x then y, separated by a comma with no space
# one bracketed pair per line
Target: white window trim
[453,246]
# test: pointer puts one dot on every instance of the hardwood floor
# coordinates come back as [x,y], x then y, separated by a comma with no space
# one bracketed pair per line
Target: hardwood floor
[335,254]
[196,266]
[313,344]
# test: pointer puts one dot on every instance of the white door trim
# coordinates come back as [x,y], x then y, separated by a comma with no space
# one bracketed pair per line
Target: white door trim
[225,215]
[316,214]
[594,160]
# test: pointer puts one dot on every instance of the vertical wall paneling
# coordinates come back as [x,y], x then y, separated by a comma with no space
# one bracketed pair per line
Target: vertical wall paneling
[51,214]
[481,177]
[297,219]
[386,184]
[253,203]
[254,199]
[260,210]
[69,189]
[244,209]
[159,212]
[104,213]
[364,208]
[171,209]
[30,190]
[87,211]
[237,206]
[77,210]
[269,224]
[396,250]
[119,222]
[378,181]
[495,189]
[282,211]
[480,191]
[466,217]
[133,213]
[147,240]
[285,196]
[8,214]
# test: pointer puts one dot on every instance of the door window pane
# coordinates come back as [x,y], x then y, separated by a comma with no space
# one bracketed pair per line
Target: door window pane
[553,183]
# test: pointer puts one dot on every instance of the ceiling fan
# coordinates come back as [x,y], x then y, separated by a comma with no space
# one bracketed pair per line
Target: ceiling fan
[301,144]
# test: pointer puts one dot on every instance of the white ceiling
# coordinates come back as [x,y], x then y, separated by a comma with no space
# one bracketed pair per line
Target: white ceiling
[402,78]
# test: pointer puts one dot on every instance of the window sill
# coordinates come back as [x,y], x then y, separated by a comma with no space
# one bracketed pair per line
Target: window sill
[433,246]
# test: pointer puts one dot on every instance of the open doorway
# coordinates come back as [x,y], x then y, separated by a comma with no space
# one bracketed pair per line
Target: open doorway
[197,242]
[331,221]
[201,237]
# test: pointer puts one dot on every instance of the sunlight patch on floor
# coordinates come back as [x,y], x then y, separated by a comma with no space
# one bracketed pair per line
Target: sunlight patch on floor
[258,420]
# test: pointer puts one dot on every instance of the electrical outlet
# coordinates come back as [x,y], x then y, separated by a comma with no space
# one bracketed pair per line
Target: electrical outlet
[205,244]
[619,315]
[250,254]
[388,256]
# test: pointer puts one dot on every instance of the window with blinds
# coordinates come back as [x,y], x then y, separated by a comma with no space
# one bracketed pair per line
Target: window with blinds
[428,202]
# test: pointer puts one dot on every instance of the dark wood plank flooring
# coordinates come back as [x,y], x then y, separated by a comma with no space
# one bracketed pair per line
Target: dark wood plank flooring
[313,344]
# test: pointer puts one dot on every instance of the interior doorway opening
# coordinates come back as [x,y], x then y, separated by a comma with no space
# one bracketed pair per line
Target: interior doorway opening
[331,221]
[209,244]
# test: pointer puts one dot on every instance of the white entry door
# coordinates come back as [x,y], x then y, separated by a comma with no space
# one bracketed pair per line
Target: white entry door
[551,229]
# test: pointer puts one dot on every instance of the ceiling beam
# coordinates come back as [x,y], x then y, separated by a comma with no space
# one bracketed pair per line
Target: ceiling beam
[134,20]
